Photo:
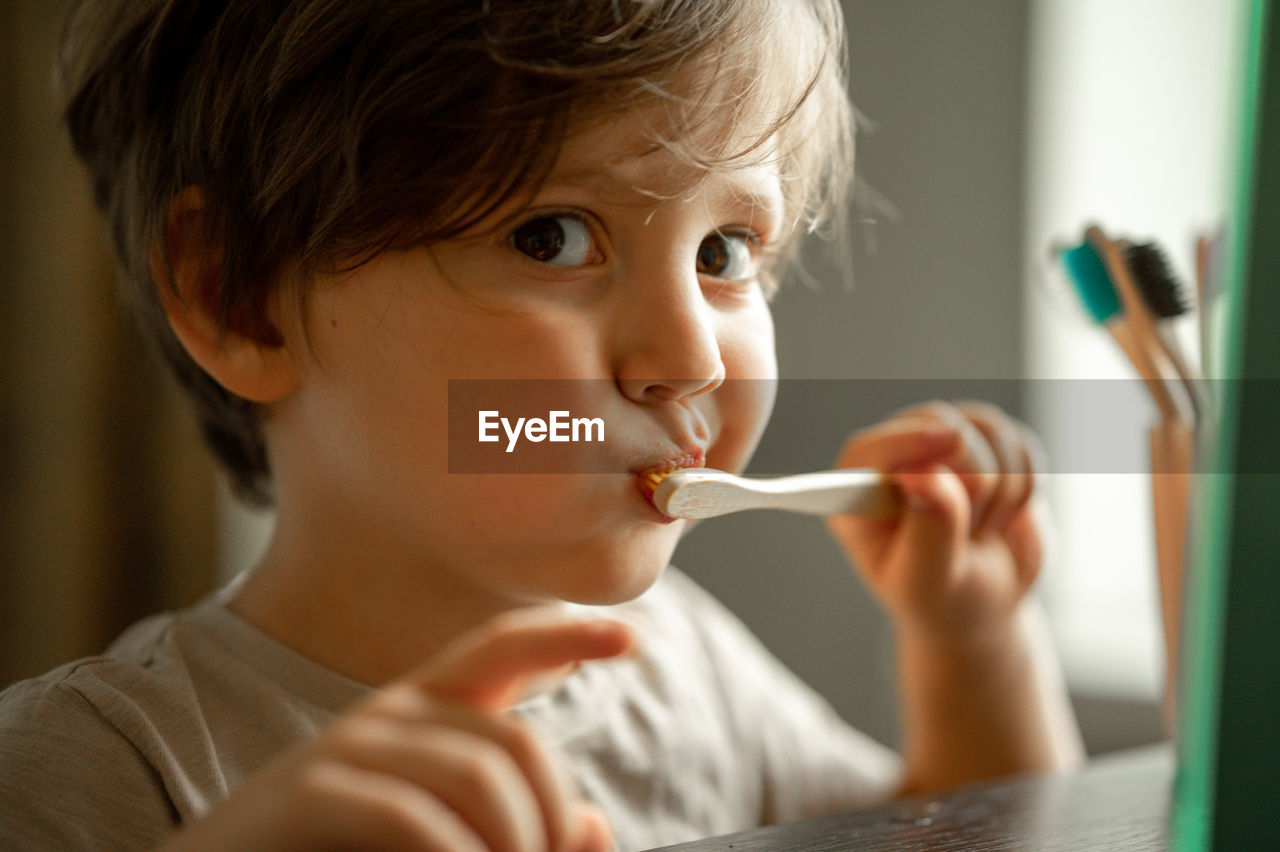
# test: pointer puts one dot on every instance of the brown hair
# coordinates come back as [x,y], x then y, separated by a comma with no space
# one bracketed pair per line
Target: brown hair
[325,130]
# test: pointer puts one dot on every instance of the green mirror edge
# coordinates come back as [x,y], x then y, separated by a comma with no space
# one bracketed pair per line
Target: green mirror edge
[1226,693]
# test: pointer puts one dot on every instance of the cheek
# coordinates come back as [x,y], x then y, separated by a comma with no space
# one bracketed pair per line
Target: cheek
[747,345]
[745,401]
[551,344]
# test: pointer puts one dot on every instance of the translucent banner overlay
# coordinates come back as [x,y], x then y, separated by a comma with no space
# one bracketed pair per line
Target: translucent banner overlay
[593,426]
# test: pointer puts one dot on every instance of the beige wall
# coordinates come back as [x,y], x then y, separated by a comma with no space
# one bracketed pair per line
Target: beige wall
[104,498]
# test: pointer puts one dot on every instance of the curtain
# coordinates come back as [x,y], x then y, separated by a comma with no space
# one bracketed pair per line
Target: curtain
[108,507]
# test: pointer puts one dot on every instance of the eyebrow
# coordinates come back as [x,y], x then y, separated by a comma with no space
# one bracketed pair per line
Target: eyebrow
[623,190]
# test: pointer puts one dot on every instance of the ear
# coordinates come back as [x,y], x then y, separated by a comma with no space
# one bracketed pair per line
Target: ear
[254,369]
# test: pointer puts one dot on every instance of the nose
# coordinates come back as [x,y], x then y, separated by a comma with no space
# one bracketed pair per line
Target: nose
[669,348]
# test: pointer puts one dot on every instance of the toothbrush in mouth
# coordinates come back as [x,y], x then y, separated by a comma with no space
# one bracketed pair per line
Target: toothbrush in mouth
[706,493]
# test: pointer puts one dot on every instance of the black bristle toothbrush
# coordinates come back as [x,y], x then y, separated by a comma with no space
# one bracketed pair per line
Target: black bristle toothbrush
[1167,299]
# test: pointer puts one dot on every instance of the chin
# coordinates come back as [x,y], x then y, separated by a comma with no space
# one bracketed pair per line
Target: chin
[613,581]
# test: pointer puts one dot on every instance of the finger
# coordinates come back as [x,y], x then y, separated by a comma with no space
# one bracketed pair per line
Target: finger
[551,783]
[1027,534]
[866,540]
[486,667]
[345,806]
[1013,482]
[592,832]
[1037,456]
[553,788]
[888,446]
[975,462]
[895,444]
[1032,459]
[1029,480]
[474,776]
[934,527]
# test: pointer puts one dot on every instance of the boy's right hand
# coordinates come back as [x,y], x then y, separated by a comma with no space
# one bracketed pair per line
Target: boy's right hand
[430,762]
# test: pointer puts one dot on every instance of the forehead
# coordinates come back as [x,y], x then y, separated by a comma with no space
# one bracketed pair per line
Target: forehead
[619,160]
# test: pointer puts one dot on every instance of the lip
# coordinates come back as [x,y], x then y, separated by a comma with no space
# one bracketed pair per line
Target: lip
[692,457]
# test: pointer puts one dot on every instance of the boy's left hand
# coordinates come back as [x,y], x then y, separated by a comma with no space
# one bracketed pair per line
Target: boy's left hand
[959,555]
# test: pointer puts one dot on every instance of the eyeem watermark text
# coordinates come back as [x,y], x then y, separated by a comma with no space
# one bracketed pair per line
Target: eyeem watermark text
[559,427]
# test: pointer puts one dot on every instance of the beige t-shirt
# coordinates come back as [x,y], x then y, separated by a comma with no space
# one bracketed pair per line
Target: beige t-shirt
[701,733]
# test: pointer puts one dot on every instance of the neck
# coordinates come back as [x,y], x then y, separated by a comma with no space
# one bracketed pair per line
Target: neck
[364,614]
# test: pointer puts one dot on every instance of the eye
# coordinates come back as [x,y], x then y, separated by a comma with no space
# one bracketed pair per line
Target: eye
[555,240]
[726,256]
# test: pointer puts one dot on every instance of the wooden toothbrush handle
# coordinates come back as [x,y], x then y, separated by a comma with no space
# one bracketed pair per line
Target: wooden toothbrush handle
[1172,452]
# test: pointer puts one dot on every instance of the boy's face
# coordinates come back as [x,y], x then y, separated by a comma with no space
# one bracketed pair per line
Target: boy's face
[623,270]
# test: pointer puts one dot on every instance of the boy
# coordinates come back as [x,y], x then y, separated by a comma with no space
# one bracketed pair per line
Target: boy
[328,210]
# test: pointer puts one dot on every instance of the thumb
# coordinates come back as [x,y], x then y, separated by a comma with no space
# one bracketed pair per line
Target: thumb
[488,666]
[935,520]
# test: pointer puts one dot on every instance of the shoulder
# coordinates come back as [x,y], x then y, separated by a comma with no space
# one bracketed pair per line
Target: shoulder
[27,707]
[84,693]
[68,771]
[50,718]
[114,748]
[88,701]
[120,694]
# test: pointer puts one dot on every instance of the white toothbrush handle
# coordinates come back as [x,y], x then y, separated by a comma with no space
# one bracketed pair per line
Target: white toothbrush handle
[707,493]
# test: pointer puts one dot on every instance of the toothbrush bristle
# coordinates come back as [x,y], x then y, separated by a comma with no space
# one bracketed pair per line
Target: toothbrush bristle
[649,482]
[1160,288]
